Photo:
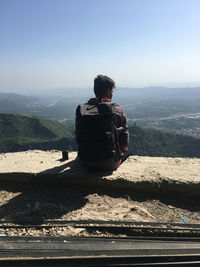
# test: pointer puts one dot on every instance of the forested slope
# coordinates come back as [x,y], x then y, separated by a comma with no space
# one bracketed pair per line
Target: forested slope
[147,142]
[23,132]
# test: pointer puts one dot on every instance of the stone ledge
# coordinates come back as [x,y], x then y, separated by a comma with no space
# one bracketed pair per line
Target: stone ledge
[148,175]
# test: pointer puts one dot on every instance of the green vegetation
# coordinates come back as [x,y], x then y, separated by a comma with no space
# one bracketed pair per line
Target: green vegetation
[23,132]
[156,143]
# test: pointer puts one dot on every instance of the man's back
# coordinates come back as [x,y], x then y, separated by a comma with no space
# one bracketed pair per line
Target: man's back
[101,133]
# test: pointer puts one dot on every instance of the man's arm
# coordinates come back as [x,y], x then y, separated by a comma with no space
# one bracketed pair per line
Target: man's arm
[77,131]
[123,129]
[124,135]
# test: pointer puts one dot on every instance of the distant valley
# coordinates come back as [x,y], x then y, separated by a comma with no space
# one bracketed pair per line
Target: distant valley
[173,110]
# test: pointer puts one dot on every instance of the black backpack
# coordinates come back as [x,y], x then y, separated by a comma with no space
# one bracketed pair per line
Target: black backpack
[97,134]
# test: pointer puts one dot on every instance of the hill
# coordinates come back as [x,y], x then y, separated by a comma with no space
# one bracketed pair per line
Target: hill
[21,132]
[145,142]
[24,132]
[16,103]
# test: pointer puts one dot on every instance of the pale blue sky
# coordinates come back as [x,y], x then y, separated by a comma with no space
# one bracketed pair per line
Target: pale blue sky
[46,44]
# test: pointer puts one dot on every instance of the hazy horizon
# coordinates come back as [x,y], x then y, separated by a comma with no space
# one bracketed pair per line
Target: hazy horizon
[46,91]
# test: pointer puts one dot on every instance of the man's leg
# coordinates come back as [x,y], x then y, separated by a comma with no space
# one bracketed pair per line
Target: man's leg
[126,154]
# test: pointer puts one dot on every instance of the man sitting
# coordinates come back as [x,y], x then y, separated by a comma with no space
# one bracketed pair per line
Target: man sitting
[101,130]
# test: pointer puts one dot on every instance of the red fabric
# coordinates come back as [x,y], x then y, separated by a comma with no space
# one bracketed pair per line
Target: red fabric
[106,100]
[118,164]
[95,101]
[125,149]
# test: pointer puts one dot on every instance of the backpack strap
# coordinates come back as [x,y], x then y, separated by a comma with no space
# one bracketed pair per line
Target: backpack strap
[109,107]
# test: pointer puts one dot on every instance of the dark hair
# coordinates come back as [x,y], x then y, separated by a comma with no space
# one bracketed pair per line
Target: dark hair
[101,84]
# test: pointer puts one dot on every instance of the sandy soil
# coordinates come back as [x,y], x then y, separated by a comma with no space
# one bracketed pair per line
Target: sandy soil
[22,201]
[135,168]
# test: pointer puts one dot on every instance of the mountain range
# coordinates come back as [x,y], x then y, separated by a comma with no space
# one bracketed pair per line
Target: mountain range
[138,102]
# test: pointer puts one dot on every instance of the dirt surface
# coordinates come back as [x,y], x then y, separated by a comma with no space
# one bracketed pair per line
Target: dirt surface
[44,202]
[25,201]
[134,169]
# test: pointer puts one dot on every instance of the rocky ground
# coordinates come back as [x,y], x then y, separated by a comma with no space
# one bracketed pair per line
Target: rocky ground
[50,202]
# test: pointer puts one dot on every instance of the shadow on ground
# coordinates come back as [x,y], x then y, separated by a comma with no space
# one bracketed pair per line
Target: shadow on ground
[39,202]
[75,166]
